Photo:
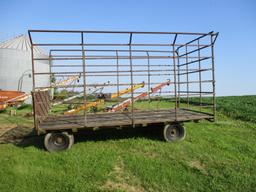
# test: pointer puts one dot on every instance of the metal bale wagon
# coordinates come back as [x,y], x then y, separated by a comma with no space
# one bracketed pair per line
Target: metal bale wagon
[113,79]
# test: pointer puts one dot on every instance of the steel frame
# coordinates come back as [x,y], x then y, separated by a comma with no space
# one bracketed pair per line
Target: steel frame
[178,57]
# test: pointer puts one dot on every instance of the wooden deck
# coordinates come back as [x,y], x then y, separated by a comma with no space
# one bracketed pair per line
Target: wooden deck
[102,120]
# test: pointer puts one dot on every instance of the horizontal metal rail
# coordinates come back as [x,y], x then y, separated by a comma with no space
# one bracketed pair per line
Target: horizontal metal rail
[196,39]
[195,61]
[113,32]
[196,82]
[203,92]
[108,50]
[115,45]
[195,50]
[196,71]
[111,75]
[120,57]
[96,65]
[120,71]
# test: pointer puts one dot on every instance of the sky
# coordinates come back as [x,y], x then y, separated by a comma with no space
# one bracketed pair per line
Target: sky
[235,20]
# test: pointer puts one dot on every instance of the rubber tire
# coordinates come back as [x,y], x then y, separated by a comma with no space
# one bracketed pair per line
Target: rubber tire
[174,132]
[51,146]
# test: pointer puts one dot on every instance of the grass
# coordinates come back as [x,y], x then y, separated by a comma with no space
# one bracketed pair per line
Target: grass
[22,118]
[218,156]
[238,107]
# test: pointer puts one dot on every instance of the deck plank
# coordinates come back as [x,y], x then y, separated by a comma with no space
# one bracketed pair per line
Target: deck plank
[120,119]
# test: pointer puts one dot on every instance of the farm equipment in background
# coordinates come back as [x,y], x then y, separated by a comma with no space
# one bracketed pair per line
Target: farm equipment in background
[128,90]
[102,97]
[80,95]
[12,98]
[67,81]
[123,105]
[120,106]
[84,107]
[64,82]
[17,98]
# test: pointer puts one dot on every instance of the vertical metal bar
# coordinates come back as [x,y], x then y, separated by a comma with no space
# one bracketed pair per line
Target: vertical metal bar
[175,38]
[213,79]
[33,80]
[50,65]
[200,75]
[131,72]
[187,79]
[51,75]
[178,66]
[175,82]
[84,77]
[117,73]
[33,66]
[148,80]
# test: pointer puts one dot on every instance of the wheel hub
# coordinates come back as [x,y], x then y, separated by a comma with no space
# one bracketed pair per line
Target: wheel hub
[173,132]
[59,140]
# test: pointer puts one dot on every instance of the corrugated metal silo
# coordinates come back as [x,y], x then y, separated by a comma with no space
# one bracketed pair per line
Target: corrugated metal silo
[15,65]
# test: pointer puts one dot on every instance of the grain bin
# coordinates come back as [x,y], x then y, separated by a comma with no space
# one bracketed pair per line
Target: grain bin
[15,65]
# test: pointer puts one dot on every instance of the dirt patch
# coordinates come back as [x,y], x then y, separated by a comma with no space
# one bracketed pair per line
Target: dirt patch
[4,128]
[199,166]
[120,180]
[149,154]
[122,186]
[14,133]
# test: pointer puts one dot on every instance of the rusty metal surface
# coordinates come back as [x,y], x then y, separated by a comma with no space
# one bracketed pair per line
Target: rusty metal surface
[184,58]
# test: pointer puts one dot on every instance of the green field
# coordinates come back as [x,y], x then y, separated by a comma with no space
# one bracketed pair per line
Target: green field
[219,156]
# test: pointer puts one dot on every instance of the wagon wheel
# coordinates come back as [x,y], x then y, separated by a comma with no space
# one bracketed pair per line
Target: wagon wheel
[55,142]
[174,132]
